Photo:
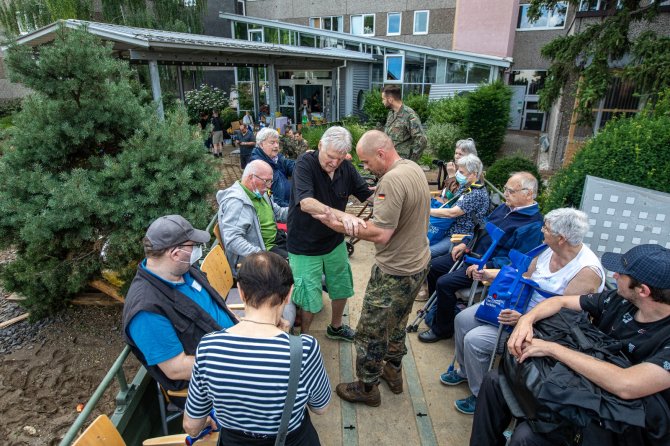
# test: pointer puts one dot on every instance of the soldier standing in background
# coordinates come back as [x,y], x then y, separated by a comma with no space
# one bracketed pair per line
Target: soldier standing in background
[403,125]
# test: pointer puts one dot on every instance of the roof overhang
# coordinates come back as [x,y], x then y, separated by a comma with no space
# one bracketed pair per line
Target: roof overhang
[140,45]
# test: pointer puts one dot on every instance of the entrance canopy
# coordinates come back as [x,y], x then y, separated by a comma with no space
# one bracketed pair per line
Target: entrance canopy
[141,45]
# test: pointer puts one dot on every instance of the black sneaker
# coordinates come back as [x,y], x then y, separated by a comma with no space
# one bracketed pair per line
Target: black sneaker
[344,333]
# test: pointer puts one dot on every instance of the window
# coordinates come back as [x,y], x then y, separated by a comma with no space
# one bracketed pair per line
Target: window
[363,25]
[393,20]
[461,72]
[330,23]
[598,5]
[394,68]
[421,22]
[256,35]
[549,18]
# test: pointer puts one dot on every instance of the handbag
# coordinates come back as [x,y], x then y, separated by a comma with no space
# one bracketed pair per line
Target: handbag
[295,348]
[510,290]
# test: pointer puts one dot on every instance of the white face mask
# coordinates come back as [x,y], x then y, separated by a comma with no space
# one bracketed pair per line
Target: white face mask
[196,253]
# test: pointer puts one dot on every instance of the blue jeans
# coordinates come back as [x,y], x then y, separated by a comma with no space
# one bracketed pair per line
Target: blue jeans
[441,248]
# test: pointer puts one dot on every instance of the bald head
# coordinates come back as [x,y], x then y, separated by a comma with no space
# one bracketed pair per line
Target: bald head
[376,151]
[257,175]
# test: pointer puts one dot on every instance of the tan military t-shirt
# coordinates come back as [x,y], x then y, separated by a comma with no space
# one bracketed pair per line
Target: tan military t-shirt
[402,203]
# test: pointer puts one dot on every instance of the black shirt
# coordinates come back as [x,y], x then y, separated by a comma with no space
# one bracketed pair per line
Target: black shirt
[217,125]
[306,235]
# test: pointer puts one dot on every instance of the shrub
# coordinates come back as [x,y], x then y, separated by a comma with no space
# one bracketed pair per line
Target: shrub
[228,115]
[205,98]
[10,106]
[498,173]
[632,151]
[442,140]
[313,134]
[356,131]
[447,111]
[418,103]
[374,109]
[486,118]
[109,169]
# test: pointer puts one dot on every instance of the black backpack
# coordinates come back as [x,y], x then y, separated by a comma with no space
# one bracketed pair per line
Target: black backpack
[552,396]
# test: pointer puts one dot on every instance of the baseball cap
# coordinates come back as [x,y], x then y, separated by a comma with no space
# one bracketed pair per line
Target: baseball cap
[648,264]
[173,230]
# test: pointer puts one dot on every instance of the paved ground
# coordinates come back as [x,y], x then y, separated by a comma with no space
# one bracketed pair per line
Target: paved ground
[524,143]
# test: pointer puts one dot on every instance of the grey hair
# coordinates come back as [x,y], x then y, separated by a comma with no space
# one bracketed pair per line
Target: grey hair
[468,145]
[338,139]
[472,164]
[528,182]
[252,168]
[265,133]
[569,223]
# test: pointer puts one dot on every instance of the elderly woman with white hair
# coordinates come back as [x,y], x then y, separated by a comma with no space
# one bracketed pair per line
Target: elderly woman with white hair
[267,149]
[463,147]
[470,203]
[567,267]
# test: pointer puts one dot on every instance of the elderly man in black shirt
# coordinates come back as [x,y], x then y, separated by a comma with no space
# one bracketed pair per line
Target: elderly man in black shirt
[323,180]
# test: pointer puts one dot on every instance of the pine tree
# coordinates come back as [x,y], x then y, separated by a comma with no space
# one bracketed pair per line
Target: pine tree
[86,168]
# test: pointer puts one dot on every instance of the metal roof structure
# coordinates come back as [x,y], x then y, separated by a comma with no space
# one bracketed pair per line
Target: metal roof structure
[460,55]
[141,45]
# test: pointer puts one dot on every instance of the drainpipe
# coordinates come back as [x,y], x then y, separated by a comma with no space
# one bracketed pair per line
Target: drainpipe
[338,88]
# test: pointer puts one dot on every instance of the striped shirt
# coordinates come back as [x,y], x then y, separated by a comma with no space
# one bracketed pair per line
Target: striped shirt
[245,380]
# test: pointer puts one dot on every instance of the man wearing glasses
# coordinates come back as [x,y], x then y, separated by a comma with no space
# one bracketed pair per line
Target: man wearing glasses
[248,218]
[170,305]
[519,217]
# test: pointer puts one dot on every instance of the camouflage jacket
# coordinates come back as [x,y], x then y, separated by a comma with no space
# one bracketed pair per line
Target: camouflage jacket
[292,148]
[404,129]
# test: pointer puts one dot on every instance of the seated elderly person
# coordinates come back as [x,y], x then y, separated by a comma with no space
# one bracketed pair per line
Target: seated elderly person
[637,314]
[267,149]
[521,221]
[242,373]
[567,266]
[470,207]
[248,218]
[463,147]
[170,305]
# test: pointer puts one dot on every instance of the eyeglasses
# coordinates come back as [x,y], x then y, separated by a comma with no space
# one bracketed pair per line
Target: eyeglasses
[507,190]
[268,183]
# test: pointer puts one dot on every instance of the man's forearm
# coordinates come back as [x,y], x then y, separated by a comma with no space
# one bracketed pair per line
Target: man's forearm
[551,306]
[312,206]
[178,368]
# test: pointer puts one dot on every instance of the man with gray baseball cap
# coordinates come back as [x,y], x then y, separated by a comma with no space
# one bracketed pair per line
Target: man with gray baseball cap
[637,314]
[170,305]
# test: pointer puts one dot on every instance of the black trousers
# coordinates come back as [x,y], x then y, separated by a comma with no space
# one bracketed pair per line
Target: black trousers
[305,435]
[446,284]
[492,417]
[280,245]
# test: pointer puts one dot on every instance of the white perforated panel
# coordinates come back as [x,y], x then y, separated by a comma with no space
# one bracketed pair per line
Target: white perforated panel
[622,216]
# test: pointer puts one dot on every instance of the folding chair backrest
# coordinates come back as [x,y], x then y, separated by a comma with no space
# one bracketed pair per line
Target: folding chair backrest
[101,432]
[217,234]
[219,273]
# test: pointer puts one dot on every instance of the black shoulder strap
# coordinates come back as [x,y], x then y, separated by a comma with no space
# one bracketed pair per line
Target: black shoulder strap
[295,346]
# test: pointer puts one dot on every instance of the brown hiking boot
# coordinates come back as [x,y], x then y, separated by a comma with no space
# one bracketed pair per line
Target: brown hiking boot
[393,377]
[355,393]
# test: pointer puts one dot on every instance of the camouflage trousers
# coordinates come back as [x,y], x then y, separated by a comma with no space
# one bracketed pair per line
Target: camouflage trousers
[380,334]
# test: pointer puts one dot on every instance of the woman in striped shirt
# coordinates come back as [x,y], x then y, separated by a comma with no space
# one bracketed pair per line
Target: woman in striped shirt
[242,372]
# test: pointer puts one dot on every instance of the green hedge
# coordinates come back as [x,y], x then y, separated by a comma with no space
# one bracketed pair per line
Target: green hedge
[442,139]
[632,151]
[374,109]
[448,110]
[486,118]
[499,172]
[418,103]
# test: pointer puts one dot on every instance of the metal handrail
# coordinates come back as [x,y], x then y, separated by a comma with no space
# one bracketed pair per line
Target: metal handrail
[116,371]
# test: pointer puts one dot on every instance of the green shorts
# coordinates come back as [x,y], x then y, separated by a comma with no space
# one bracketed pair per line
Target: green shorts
[307,272]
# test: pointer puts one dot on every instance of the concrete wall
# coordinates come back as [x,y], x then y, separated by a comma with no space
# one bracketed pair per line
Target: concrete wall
[486,27]
[440,26]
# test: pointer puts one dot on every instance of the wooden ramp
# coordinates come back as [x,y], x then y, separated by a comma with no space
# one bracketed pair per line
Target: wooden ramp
[423,414]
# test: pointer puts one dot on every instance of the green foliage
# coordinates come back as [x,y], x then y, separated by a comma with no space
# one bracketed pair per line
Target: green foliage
[172,15]
[418,103]
[374,109]
[313,135]
[587,54]
[448,110]
[205,99]
[499,172]
[632,151]
[442,140]
[227,116]
[108,168]
[356,131]
[10,106]
[486,118]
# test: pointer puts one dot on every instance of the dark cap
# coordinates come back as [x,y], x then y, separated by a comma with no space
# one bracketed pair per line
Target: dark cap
[173,230]
[648,264]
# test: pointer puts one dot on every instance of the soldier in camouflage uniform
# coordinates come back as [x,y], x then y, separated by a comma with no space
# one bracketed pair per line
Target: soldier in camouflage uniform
[398,229]
[403,125]
[292,145]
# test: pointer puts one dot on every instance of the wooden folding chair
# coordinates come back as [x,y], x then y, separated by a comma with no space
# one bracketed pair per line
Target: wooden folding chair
[220,276]
[101,432]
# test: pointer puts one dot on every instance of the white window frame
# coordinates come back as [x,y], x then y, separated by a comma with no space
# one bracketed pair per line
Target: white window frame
[244,6]
[388,17]
[544,28]
[421,33]
[249,31]
[402,68]
[311,22]
[362,16]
